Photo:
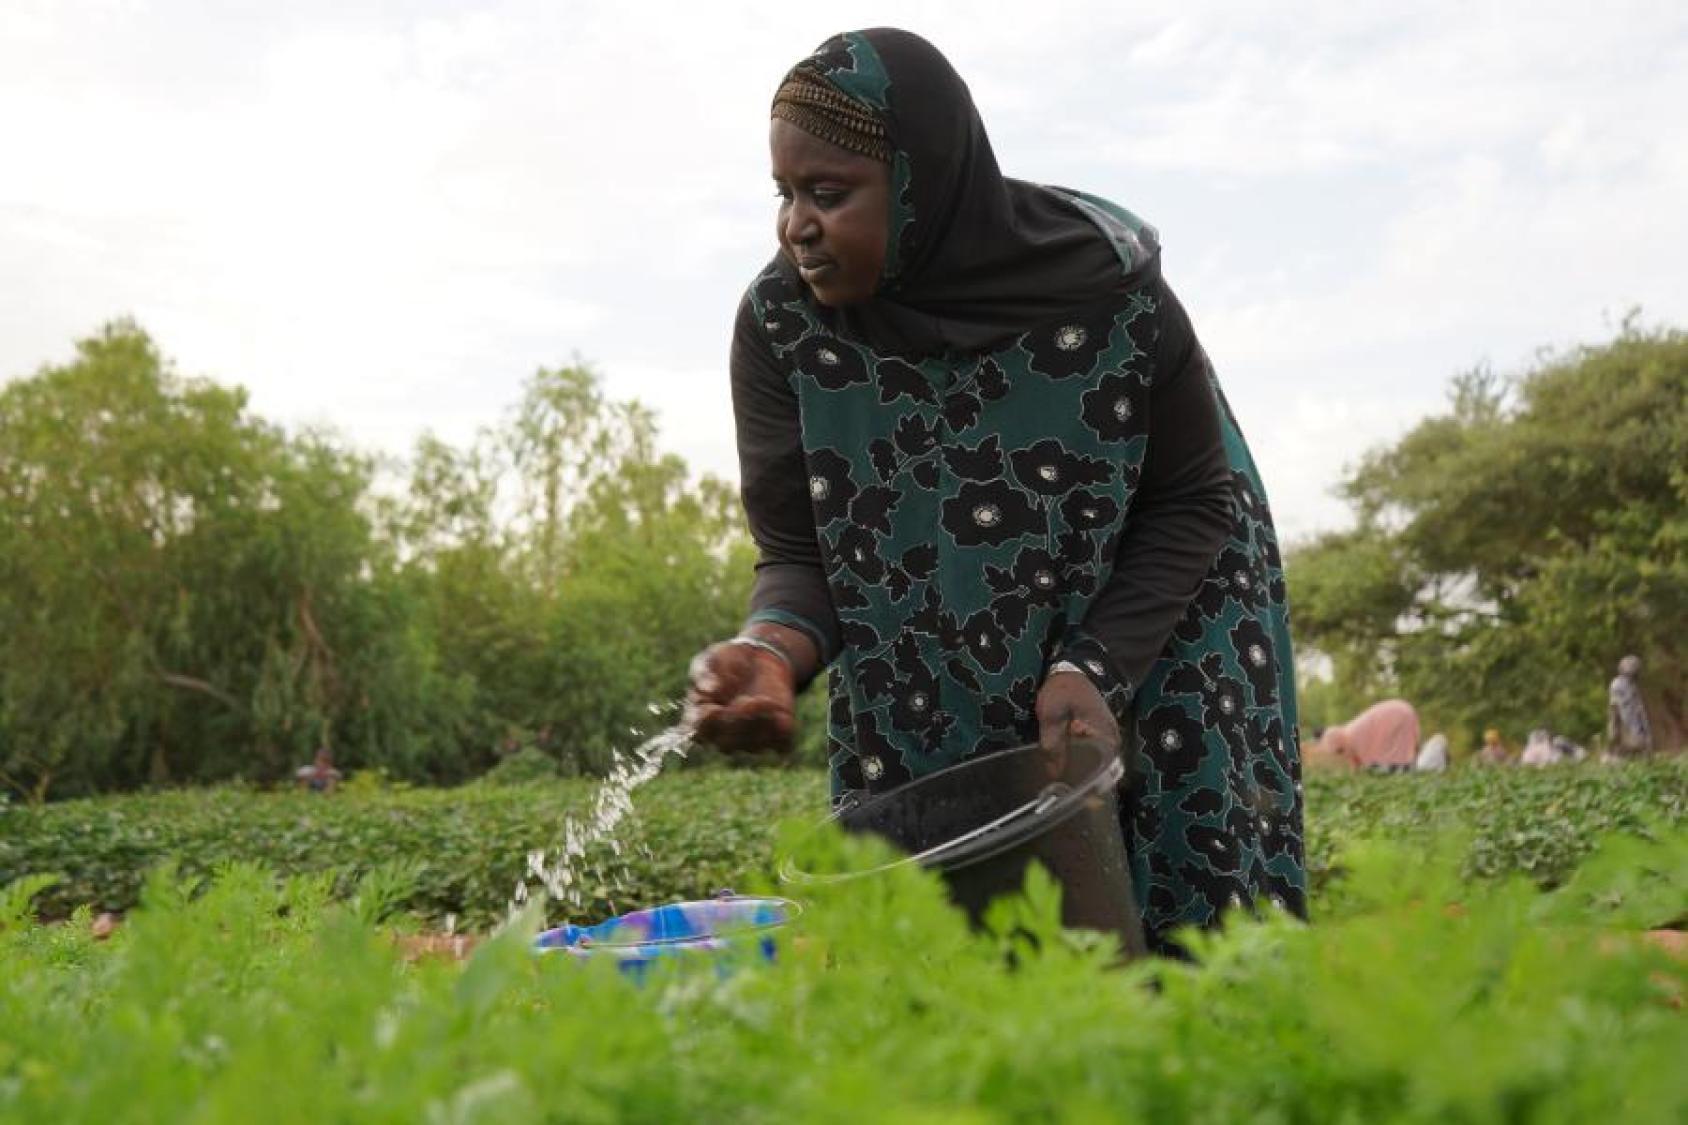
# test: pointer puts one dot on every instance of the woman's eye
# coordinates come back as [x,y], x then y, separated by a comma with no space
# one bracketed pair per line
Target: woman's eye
[828,199]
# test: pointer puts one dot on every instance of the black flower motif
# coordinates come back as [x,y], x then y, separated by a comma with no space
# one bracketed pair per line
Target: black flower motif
[784,326]
[921,560]
[1241,579]
[1185,677]
[833,57]
[932,738]
[1113,408]
[1145,820]
[1070,347]
[774,288]
[1284,892]
[1282,752]
[1203,802]
[838,710]
[847,765]
[1218,847]
[982,462]
[991,381]
[1013,612]
[1162,908]
[831,363]
[858,550]
[961,411]
[1173,742]
[897,582]
[1050,470]
[1278,836]
[881,763]
[846,592]
[963,675]
[898,379]
[1038,574]
[1006,711]
[830,486]
[929,618]
[873,506]
[986,641]
[1259,664]
[1078,554]
[858,634]
[1193,624]
[1220,891]
[991,513]
[884,457]
[1088,511]
[914,435]
[926,474]
[914,697]
[875,677]
[1224,708]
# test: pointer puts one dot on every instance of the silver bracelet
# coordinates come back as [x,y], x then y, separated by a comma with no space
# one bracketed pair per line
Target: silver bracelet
[766,646]
[1064,666]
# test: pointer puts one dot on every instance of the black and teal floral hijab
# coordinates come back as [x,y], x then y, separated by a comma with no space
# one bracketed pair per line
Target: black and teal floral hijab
[974,257]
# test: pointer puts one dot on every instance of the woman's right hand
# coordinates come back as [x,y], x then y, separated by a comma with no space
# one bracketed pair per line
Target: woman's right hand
[742,700]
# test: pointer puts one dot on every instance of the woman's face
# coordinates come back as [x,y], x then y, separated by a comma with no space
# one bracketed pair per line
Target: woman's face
[835,207]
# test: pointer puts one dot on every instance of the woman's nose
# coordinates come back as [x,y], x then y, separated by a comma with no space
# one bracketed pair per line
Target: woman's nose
[800,224]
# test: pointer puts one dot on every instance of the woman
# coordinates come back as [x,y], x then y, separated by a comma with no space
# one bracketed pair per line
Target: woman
[996,489]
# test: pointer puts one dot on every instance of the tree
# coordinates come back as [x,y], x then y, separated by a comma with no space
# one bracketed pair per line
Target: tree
[186,592]
[1507,552]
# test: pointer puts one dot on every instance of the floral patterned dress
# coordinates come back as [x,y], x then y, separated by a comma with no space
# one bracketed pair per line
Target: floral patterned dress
[968,518]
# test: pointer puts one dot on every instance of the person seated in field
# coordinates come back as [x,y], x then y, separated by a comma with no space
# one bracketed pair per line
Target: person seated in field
[1538,749]
[319,776]
[1433,755]
[1567,750]
[1383,737]
[1494,752]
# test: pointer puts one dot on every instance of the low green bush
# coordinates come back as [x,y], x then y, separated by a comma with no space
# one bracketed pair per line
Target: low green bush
[524,767]
[698,831]
[1430,1000]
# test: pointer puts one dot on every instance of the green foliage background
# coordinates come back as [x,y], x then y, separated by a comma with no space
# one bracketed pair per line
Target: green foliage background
[1509,551]
[191,594]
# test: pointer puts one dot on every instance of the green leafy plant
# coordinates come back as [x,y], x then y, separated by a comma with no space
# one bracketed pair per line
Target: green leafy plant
[1432,999]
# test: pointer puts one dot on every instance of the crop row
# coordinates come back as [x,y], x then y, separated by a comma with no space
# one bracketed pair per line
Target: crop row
[698,831]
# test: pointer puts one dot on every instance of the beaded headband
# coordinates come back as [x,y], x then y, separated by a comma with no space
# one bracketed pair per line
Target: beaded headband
[820,109]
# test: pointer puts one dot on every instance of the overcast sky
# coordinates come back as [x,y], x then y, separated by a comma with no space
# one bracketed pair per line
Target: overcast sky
[384,216]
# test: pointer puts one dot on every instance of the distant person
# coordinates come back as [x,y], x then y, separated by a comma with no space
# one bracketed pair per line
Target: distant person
[1383,737]
[320,776]
[1628,733]
[1538,749]
[1494,752]
[1433,755]
[1567,750]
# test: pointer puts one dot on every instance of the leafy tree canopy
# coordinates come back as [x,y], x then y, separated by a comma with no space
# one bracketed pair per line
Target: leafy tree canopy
[1507,552]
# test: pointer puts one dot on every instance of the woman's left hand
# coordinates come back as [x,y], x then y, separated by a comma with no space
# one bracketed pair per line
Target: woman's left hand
[1069,707]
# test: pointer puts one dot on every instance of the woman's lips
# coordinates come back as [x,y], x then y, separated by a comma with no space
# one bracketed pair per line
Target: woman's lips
[811,268]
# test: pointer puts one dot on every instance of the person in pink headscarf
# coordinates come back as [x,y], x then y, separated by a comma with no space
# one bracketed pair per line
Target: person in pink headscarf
[1382,737]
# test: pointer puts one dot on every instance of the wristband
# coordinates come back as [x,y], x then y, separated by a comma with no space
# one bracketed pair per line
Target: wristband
[1064,666]
[767,646]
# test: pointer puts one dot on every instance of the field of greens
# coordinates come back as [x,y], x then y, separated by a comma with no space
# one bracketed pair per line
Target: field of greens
[1420,995]
[696,832]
